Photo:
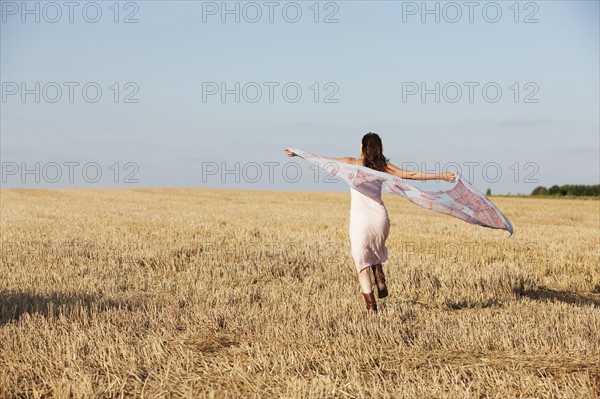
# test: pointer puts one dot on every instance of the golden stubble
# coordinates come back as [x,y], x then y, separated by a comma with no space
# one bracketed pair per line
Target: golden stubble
[187,293]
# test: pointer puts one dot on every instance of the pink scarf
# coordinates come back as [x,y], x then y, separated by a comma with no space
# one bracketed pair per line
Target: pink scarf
[462,201]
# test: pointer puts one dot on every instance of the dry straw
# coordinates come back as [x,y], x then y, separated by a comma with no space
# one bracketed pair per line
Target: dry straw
[187,293]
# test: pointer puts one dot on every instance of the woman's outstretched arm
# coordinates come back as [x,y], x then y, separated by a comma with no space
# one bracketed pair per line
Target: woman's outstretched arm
[396,171]
[418,175]
[349,160]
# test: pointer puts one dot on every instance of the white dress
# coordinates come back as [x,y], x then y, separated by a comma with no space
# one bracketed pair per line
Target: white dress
[369,226]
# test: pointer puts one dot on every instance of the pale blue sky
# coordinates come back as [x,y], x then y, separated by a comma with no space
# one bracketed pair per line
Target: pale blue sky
[368,56]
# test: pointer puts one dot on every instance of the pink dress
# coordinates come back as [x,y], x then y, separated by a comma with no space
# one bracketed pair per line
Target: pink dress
[369,226]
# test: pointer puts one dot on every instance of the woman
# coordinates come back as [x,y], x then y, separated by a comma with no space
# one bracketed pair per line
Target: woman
[369,221]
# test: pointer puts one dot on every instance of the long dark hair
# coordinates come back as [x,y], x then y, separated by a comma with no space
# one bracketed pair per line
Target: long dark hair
[373,152]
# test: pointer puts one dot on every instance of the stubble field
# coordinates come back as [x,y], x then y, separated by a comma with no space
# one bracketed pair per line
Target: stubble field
[187,293]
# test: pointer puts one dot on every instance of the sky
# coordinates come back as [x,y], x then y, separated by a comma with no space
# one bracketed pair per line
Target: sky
[208,94]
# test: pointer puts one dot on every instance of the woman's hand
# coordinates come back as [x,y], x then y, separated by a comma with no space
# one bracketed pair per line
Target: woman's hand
[290,153]
[448,176]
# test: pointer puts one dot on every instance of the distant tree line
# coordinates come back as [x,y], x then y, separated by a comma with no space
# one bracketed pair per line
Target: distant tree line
[568,189]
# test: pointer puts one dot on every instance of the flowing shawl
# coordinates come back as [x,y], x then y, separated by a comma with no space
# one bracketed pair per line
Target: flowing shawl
[462,201]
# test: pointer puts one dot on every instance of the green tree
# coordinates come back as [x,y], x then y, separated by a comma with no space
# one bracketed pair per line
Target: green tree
[554,190]
[574,190]
[541,190]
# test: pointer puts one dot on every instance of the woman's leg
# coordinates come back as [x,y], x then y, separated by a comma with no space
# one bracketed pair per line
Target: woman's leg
[379,276]
[364,279]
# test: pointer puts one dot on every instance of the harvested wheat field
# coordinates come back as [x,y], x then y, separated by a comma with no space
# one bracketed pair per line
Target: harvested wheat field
[188,293]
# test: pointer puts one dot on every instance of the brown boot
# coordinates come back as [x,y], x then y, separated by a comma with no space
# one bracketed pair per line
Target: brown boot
[370,301]
[382,290]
